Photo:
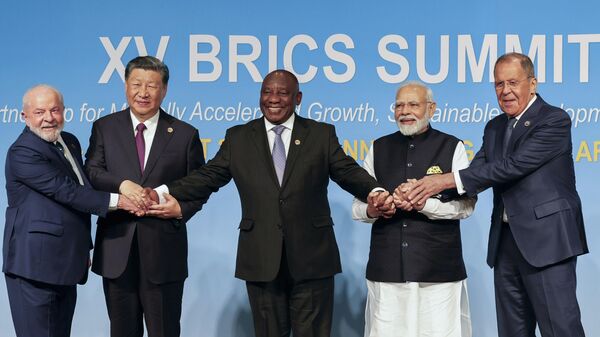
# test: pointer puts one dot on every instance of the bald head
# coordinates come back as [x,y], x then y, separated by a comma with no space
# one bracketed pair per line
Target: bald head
[279,96]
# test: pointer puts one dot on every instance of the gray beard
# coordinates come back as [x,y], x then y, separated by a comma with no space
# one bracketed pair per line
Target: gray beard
[49,137]
[418,127]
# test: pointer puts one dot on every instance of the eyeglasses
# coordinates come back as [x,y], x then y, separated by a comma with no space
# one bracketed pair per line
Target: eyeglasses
[510,83]
[412,105]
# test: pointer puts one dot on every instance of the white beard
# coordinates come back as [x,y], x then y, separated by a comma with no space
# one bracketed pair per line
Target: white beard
[410,130]
[47,136]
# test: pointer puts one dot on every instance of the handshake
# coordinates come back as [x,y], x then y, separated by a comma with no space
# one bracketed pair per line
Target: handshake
[143,201]
[382,204]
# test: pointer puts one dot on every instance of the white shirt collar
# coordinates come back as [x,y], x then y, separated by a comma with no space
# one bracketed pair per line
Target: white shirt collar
[289,124]
[152,121]
[527,107]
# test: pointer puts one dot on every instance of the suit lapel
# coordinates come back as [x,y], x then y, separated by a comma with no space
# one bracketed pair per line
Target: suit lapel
[126,137]
[162,136]
[76,154]
[299,134]
[259,137]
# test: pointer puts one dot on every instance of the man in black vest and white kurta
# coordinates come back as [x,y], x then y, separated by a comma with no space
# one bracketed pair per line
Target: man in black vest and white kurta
[416,276]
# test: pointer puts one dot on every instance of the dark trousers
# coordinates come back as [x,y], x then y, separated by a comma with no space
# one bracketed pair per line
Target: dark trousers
[304,307]
[131,298]
[526,295]
[40,309]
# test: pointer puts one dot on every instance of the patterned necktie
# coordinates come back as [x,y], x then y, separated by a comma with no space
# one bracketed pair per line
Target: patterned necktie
[140,144]
[510,125]
[278,152]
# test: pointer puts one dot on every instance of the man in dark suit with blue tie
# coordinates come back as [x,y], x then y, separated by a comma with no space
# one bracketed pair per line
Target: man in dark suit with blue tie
[287,252]
[47,233]
[537,227]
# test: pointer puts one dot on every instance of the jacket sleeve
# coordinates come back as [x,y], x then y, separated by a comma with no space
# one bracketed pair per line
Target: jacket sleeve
[195,160]
[95,164]
[550,138]
[35,170]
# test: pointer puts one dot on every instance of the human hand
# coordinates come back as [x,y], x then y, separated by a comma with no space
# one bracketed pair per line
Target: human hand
[401,197]
[133,192]
[429,186]
[380,204]
[152,195]
[126,204]
[168,210]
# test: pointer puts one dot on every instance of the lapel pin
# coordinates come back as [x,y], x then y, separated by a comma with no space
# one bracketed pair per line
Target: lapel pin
[527,123]
[170,130]
[297,142]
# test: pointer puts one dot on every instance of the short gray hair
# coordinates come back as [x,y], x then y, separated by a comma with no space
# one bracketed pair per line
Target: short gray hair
[429,92]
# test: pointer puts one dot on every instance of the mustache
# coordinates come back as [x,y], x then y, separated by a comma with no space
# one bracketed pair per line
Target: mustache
[409,117]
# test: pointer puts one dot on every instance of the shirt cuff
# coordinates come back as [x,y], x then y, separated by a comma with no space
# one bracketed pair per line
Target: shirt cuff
[114,202]
[459,185]
[160,190]
[378,189]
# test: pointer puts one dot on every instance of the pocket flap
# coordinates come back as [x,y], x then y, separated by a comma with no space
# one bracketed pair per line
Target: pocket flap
[40,226]
[246,224]
[551,207]
[322,221]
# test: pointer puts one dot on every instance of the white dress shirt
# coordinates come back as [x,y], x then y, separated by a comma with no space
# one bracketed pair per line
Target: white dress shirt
[286,135]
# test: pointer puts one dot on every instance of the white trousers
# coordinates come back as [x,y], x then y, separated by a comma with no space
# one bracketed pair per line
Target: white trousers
[417,309]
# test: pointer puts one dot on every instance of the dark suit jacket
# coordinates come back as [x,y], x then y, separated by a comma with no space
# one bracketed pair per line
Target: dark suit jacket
[111,158]
[296,213]
[47,232]
[536,182]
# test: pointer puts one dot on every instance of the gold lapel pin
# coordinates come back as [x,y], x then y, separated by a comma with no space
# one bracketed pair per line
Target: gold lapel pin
[170,130]
[527,123]
[297,142]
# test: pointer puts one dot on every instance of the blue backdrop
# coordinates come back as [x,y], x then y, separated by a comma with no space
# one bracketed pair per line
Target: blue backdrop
[350,56]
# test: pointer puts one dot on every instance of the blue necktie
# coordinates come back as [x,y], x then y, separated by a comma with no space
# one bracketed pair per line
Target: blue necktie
[278,152]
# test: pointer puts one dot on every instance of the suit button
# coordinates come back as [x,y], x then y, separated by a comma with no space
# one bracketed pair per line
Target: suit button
[404,224]
[404,244]
[411,146]
[409,164]
[281,201]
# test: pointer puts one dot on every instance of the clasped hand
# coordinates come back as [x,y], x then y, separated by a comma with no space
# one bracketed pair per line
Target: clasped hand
[401,197]
[380,204]
[142,201]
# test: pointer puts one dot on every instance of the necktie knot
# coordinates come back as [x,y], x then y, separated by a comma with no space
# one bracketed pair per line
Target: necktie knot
[511,122]
[278,129]
[59,146]
[140,127]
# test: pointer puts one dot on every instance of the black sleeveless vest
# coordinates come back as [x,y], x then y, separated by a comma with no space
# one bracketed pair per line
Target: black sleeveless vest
[409,246]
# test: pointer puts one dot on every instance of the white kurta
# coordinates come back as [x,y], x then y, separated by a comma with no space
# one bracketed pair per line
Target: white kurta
[419,309]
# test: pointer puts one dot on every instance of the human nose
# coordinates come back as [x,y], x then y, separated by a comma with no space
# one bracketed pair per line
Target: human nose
[506,89]
[143,92]
[48,116]
[273,97]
